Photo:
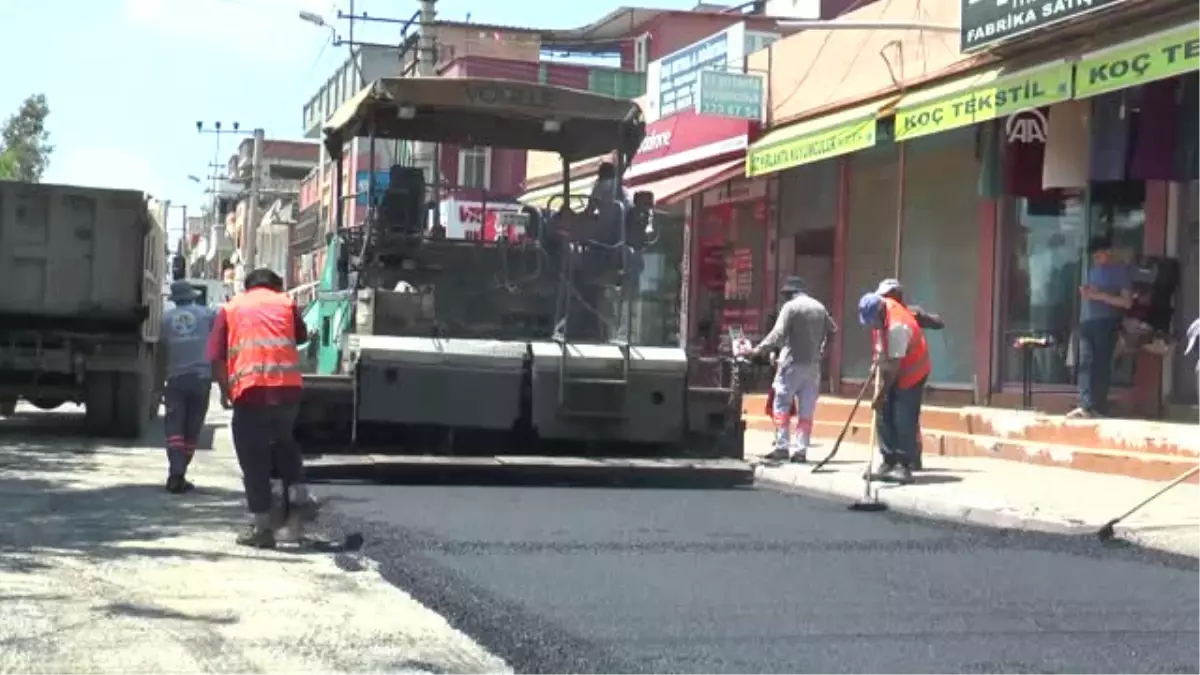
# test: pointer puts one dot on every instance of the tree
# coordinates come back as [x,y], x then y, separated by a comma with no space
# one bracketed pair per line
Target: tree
[8,166]
[25,142]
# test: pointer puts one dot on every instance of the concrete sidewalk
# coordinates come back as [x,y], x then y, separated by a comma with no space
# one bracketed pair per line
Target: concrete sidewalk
[101,571]
[999,493]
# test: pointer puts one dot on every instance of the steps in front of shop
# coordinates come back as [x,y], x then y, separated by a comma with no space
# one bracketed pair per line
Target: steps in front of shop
[1140,449]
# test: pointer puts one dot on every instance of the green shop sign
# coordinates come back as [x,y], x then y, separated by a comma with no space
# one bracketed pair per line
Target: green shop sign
[1001,97]
[806,148]
[1157,57]
[730,95]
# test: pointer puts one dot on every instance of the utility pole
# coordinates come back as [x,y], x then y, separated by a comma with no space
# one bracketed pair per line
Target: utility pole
[250,245]
[424,153]
[216,229]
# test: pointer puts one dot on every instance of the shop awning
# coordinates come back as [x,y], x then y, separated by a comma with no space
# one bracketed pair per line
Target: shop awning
[815,140]
[541,197]
[979,97]
[676,188]
[1148,59]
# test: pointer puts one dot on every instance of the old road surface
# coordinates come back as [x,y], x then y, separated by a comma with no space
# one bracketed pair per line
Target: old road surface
[102,572]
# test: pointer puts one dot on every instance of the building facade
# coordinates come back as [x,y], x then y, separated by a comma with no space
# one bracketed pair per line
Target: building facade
[976,166]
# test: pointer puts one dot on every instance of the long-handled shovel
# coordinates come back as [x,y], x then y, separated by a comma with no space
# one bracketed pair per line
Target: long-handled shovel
[862,391]
[1105,533]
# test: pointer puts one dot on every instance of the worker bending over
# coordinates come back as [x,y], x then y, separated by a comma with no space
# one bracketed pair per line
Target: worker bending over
[256,363]
[802,329]
[185,329]
[902,357]
[891,288]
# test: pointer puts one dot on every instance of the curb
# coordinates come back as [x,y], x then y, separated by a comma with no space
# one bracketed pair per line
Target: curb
[906,502]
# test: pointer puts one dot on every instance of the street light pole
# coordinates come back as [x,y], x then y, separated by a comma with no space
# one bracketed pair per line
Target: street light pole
[250,246]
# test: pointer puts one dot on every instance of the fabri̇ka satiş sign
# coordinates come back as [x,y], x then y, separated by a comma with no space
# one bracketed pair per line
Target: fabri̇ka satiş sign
[986,22]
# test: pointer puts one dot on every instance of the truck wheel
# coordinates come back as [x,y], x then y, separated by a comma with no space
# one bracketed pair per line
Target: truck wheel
[46,403]
[8,407]
[132,392]
[100,402]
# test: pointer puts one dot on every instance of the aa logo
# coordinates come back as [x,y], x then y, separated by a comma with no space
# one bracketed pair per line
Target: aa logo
[1026,127]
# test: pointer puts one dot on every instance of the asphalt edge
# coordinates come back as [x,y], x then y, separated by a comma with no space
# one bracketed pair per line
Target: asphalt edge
[906,502]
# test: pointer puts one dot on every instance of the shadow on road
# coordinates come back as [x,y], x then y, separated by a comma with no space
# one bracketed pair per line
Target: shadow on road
[147,612]
[58,501]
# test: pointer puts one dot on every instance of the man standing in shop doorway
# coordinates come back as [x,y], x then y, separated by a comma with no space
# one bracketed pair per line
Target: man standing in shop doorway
[802,329]
[1107,295]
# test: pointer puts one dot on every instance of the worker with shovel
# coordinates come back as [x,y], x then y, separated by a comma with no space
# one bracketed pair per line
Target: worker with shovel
[891,288]
[802,330]
[902,360]
[256,363]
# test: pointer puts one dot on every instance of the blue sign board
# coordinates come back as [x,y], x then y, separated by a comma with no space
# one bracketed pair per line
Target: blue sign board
[679,73]
[361,187]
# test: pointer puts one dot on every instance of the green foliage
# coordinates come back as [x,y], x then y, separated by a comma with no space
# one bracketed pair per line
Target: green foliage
[8,166]
[25,147]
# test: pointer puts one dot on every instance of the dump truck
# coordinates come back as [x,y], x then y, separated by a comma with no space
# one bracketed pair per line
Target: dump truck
[481,349]
[81,274]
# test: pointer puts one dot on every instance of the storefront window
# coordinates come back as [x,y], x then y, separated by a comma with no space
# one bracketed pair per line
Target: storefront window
[871,246]
[731,270]
[939,265]
[1047,261]
[656,314]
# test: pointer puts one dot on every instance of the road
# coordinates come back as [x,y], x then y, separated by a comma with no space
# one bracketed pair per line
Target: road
[608,580]
[100,571]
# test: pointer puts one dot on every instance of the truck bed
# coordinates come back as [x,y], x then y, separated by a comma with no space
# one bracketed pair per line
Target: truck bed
[77,253]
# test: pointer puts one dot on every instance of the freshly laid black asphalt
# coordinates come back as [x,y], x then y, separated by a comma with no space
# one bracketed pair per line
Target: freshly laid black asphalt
[746,581]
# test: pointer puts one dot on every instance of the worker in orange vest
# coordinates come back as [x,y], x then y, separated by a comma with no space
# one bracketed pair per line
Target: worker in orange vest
[902,356]
[891,288]
[256,363]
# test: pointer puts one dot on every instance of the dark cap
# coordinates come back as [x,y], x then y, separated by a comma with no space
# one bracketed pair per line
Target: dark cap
[182,291]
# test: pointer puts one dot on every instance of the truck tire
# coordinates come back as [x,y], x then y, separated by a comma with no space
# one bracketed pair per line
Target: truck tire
[47,403]
[8,407]
[131,416]
[99,402]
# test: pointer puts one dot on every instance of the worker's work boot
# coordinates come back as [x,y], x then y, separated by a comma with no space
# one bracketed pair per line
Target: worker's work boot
[258,534]
[778,454]
[902,475]
[885,472]
[799,446]
[304,504]
[178,485]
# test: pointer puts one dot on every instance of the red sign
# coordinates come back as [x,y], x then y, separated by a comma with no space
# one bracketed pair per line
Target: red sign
[686,137]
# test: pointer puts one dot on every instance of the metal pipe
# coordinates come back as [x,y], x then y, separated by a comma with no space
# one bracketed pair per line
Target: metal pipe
[902,170]
[816,24]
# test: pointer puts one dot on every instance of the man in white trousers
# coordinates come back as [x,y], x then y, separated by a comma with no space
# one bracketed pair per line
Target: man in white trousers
[802,329]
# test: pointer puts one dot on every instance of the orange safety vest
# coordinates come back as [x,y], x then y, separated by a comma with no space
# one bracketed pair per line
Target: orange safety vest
[262,342]
[915,365]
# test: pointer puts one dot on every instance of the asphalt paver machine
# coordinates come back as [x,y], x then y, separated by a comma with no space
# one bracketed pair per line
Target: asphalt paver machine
[514,345]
